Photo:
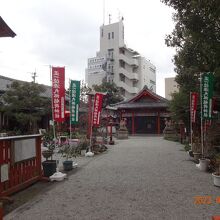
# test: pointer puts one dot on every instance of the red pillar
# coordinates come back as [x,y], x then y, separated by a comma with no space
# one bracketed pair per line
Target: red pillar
[158,123]
[133,126]
[1,211]
[38,156]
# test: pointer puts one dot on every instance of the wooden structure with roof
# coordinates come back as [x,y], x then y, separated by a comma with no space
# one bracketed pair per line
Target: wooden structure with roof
[145,113]
[5,30]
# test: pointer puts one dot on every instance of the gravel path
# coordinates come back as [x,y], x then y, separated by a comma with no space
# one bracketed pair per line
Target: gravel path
[140,178]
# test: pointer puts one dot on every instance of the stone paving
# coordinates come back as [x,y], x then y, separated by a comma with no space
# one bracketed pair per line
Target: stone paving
[139,178]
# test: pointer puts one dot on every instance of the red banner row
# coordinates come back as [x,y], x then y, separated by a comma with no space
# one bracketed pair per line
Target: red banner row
[58,93]
[193,106]
[58,98]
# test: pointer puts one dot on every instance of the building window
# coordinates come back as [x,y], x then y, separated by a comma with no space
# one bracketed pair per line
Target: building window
[109,35]
[111,53]
[112,35]
[122,63]
[102,32]
[121,51]
[122,78]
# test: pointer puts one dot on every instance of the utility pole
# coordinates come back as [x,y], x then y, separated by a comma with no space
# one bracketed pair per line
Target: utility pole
[34,75]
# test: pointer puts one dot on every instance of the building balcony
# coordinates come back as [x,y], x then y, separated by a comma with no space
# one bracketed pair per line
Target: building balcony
[134,62]
[129,61]
[132,90]
[131,76]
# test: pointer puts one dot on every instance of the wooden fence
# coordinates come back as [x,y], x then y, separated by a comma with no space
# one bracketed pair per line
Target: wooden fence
[20,162]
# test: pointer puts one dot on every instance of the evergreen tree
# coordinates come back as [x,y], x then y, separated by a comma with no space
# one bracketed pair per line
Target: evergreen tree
[113,92]
[196,37]
[25,105]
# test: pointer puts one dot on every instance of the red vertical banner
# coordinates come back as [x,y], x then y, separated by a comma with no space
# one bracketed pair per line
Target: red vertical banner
[97,109]
[58,93]
[193,106]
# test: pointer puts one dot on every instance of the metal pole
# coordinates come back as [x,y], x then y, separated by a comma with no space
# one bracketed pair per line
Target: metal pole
[202,143]
[54,130]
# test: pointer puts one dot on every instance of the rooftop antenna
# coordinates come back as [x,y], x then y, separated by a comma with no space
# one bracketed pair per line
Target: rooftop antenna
[109,18]
[34,75]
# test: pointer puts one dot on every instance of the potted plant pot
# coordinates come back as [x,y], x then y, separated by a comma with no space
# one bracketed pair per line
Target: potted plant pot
[204,164]
[49,167]
[83,152]
[190,152]
[67,165]
[216,175]
[197,155]
[216,178]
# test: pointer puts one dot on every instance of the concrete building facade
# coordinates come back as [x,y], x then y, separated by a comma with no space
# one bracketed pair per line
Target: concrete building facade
[171,86]
[117,63]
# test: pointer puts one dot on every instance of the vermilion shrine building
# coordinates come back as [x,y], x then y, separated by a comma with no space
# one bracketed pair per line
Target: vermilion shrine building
[145,113]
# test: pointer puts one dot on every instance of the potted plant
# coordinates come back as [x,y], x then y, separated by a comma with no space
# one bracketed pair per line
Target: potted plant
[187,148]
[49,166]
[68,151]
[216,174]
[83,146]
[203,164]
[196,148]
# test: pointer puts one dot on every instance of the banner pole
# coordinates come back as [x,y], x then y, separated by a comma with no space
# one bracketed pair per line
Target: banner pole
[54,130]
[191,130]
[90,145]
[202,143]
[70,103]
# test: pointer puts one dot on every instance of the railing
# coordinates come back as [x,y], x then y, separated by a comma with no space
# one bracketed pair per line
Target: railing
[20,162]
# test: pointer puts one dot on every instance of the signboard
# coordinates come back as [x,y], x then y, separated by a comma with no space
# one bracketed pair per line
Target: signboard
[130,114]
[97,109]
[207,92]
[58,93]
[24,149]
[74,101]
[193,105]
[4,172]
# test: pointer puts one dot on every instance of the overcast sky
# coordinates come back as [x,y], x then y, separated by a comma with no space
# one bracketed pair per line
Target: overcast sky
[66,33]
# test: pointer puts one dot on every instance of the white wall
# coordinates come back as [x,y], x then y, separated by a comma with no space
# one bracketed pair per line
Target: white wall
[171,86]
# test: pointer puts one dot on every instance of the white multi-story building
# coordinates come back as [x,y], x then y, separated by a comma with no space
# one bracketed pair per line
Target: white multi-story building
[171,86]
[117,63]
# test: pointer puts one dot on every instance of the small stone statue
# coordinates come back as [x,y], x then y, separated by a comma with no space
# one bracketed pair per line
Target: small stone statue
[122,124]
[122,131]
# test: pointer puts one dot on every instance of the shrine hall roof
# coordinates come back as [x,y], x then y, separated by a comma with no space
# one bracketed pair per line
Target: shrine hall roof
[144,99]
[5,30]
